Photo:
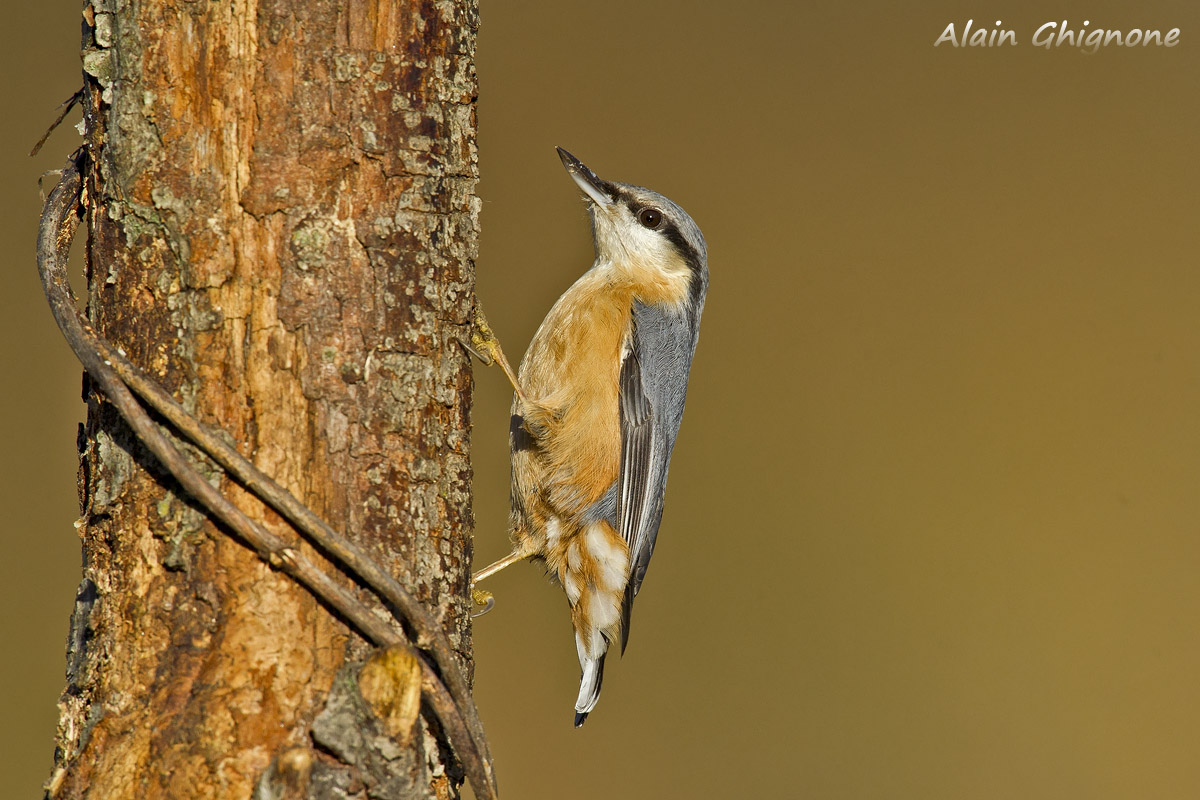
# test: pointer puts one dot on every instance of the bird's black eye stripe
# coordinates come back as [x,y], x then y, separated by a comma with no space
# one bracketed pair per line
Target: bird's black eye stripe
[690,255]
[670,230]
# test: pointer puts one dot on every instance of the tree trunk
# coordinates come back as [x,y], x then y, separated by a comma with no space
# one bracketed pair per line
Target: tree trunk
[282,229]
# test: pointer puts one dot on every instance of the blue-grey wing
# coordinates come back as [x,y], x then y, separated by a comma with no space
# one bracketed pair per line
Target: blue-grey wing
[652,390]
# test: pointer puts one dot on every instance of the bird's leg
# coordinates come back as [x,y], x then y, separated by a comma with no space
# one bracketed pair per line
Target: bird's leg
[520,554]
[485,599]
[486,347]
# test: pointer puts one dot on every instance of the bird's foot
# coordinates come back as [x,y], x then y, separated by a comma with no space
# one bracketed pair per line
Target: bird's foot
[483,344]
[486,347]
[484,602]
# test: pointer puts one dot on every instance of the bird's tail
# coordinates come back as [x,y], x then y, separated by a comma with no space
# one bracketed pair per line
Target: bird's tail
[594,577]
[593,675]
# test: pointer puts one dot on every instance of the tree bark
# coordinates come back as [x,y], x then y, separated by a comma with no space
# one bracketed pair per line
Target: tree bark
[282,228]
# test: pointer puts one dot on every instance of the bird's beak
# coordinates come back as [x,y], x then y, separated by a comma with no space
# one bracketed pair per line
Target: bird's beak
[592,186]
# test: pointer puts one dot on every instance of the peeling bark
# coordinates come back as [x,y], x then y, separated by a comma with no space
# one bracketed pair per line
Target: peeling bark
[282,229]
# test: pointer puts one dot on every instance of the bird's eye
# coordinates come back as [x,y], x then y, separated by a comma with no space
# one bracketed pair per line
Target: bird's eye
[650,217]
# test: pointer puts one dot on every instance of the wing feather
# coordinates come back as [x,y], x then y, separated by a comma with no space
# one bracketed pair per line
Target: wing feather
[652,389]
[643,471]
[636,430]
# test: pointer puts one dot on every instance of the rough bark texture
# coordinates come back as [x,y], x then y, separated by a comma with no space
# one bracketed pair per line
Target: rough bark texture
[282,229]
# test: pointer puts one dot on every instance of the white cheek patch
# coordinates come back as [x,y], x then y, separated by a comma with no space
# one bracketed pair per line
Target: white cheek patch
[640,253]
[645,246]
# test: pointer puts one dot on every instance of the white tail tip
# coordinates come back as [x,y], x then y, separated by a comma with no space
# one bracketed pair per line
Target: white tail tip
[589,688]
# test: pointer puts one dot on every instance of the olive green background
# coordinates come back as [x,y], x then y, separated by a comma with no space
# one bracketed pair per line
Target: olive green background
[932,528]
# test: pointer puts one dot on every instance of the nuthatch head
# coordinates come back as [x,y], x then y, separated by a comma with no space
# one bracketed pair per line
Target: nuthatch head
[601,392]
[635,226]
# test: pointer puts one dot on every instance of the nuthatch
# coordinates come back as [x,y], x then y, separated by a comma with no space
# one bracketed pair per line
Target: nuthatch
[599,400]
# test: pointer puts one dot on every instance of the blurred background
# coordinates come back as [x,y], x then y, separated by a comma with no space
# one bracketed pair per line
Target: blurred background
[932,527]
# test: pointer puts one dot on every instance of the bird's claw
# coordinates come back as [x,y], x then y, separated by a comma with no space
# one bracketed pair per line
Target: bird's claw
[483,345]
[484,602]
[486,347]
[470,348]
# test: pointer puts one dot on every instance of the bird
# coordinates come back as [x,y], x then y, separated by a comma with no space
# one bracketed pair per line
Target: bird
[599,397]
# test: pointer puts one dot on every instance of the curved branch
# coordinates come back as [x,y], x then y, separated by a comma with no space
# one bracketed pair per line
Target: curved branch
[428,633]
[60,218]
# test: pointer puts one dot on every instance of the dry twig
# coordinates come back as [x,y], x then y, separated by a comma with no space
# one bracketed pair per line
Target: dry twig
[66,107]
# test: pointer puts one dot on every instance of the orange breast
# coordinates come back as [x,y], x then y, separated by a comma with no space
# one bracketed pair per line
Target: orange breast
[570,373]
